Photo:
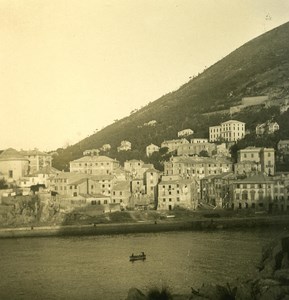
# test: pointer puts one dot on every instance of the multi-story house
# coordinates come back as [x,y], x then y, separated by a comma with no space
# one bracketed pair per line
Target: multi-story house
[173,145]
[37,159]
[105,147]
[41,177]
[95,165]
[75,184]
[215,189]
[134,167]
[124,146]
[121,193]
[267,127]
[70,184]
[101,184]
[173,192]
[259,192]
[91,152]
[199,140]
[196,167]
[229,131]
[13,165]
[151,179]
[185,132]
[283,146]
[150,149]
[264,159]
[196,149]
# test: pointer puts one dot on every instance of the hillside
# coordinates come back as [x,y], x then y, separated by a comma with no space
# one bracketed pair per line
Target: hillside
[260,67]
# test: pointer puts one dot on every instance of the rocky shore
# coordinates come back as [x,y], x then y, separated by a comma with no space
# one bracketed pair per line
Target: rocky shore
[271,283]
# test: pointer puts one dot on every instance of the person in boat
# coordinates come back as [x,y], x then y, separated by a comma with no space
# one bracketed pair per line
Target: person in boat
[132,255]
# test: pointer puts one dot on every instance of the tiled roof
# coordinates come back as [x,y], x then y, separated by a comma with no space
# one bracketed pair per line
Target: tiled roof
[47,170]
[259,178]
[33,152]
[11,154]
[95,158]
[121,185]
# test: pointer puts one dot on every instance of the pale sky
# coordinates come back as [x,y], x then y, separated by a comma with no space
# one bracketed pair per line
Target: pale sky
[69,67]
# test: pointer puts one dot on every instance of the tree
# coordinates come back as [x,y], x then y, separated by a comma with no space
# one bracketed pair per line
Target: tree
[3,184]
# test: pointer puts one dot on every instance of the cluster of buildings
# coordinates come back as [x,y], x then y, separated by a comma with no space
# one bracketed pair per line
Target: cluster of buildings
[199,172]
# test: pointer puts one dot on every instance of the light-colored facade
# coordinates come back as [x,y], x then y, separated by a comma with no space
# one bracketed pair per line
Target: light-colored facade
[134,167]
[94,165]
[196,149]
[260,192]
[176,192]
[267,127]
[37,159]
[121,194]
[173,145]
[124,146]
[13,165]
[152,178]
[185,132]
[150,149]
[78,184]
[196,167]
[229,131]
[199,141]
[263,157]
[91,152]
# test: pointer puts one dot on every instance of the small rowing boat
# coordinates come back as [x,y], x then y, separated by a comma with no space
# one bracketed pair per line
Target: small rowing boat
[141,256]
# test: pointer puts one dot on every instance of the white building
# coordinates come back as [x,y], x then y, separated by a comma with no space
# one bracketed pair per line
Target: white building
[230,131]
[185,132]
[174,144]
[150,149]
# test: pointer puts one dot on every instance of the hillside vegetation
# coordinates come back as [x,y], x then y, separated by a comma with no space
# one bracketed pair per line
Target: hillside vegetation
[260,67]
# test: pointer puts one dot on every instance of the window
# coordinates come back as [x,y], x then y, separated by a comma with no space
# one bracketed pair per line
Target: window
[10,174]
[93,202]
[105,202]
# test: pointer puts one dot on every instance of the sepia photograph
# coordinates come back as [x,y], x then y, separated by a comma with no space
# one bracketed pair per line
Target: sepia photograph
[144,149]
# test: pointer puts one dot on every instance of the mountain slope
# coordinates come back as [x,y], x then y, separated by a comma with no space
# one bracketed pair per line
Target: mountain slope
[260,67]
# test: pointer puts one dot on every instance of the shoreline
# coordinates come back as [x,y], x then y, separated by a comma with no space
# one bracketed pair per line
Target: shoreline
[145,227]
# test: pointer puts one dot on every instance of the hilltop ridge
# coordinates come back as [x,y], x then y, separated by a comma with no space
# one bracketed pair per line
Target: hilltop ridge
[259,67]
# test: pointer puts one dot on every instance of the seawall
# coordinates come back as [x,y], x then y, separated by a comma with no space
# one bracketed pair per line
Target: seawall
[147,227]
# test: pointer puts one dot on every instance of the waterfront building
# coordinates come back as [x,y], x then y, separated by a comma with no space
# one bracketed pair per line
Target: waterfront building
[174,192]
[121,194]
[215,189]
[13,165]
[151,179]
[260,192]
